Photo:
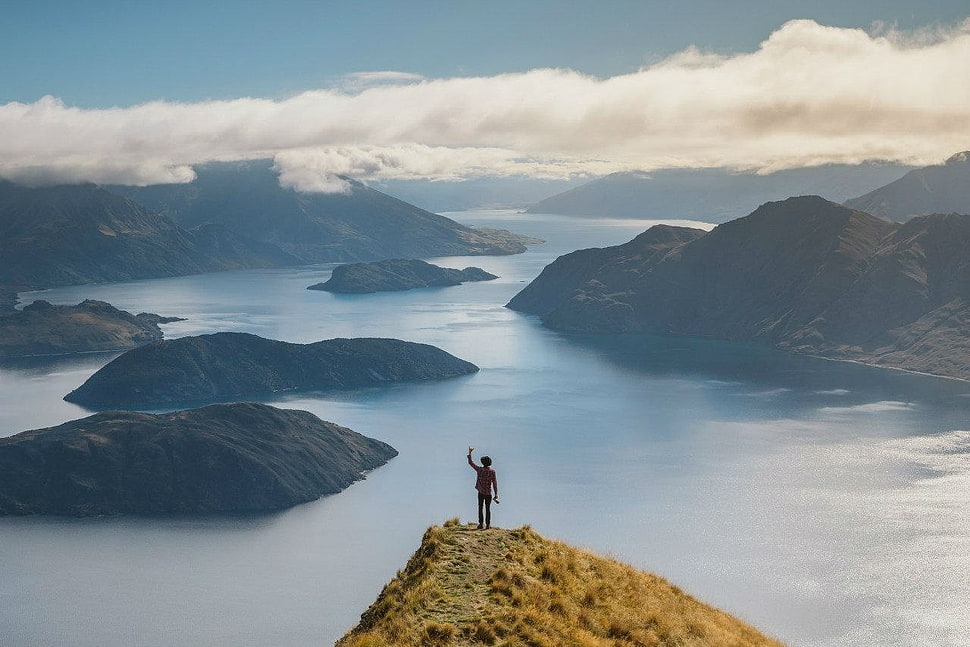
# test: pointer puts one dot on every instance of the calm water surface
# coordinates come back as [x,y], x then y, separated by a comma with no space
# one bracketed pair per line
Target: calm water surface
[824,502]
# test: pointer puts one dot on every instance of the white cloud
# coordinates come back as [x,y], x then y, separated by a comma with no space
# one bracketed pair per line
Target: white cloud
[810,94]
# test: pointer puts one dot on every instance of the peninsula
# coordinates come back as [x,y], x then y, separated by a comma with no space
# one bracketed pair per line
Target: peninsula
[45,329]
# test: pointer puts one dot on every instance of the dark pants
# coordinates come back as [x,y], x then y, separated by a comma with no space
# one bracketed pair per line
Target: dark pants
[486,500]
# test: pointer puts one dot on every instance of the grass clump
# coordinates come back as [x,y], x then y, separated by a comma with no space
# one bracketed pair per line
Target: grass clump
[508,588]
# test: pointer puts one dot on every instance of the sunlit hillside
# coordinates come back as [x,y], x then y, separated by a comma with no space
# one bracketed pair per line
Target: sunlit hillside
[513,587]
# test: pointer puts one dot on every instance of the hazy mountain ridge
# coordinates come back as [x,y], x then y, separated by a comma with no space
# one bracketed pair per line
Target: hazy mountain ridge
[44,329]
[227,366]
[221,458]
[233,216]
[803,274]
[67,235]
[512,587]
[710,194]
[942,188]
[361,224]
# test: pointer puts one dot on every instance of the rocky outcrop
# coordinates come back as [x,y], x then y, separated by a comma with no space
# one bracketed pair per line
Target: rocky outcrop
[395,275]
[803,274]
[943,188]
[240,457]
[359,224]
[45,329]
[233,366]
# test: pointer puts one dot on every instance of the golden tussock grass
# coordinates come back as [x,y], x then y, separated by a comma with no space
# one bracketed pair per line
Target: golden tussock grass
[512,588]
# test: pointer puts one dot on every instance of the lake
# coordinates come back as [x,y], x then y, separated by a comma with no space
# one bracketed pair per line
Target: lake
[824,502]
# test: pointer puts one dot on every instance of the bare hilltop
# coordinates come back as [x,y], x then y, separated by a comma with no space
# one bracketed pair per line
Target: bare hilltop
[513,587]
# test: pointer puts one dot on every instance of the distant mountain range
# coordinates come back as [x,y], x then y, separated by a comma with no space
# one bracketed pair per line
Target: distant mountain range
[234,215]
[66,235]
[803,274]
[710,195]
[516,192]
[360,225]
[944,188]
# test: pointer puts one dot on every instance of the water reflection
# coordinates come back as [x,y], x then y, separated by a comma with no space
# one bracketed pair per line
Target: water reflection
[823,501]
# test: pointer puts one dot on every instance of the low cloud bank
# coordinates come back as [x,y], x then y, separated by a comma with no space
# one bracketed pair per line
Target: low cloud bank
[809,95]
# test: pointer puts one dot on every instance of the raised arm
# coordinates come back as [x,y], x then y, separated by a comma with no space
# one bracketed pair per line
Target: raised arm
[470,462]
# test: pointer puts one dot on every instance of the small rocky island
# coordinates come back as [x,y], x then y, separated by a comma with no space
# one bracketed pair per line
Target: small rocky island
[396,275]
[232,366]
[240,457]
[45,329]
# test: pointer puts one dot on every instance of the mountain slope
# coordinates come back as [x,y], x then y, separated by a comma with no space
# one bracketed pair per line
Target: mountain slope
[803,274]
[66,235]
[944,188]
[514,587]
[711,194]
[231,457]
[360,225]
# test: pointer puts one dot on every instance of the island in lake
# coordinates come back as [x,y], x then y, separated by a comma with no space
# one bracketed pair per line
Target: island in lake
[240,457]
[45,329]
[231,366]
[396,275]
[803,274]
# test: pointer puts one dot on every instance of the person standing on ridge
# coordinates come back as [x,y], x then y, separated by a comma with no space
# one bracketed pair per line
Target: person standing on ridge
[485,483]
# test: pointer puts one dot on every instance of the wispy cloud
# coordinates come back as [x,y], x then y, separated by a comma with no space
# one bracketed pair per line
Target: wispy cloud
[810,94]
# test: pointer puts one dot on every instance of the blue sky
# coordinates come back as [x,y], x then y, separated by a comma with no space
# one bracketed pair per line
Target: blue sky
[99,54]
[139,92]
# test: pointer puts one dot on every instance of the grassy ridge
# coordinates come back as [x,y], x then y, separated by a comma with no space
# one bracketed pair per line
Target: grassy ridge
[514,587]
